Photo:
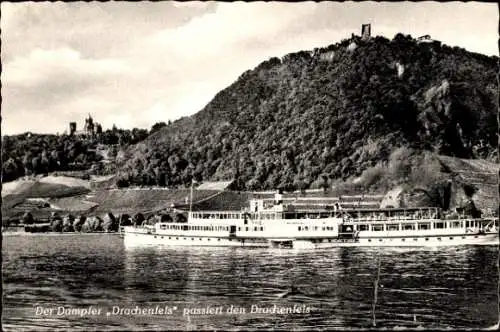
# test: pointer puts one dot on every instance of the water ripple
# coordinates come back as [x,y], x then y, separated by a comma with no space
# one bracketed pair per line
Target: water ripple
[419,288]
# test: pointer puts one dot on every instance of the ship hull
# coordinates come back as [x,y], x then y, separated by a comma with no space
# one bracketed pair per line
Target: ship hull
[141,239]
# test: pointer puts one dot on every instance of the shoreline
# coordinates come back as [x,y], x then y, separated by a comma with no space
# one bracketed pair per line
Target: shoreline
[22,233]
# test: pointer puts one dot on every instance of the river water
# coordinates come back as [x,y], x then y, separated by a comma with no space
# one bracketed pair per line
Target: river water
[448,287]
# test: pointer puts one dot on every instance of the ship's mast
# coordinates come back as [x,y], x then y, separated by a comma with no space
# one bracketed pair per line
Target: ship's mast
[191,198]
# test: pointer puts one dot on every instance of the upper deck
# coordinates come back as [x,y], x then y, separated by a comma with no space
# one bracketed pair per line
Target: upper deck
[263,215]
[262,210]
[389,214]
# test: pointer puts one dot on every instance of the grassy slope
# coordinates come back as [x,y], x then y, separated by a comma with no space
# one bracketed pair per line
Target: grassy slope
[481,174]
[142,200]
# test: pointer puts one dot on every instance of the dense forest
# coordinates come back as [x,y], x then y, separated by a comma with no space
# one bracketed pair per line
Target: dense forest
[331,113]
[301,121]
[32,154]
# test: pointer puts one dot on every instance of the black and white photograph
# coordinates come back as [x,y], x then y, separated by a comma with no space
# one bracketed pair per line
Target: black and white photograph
[247,166]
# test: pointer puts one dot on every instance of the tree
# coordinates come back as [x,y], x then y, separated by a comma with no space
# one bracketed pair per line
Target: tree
[98,129]
[93,224]
[324,183]
[151,220]
[28,218]
[28,163]
[157,126]
[125,220]
[67,225]
[138,219]
[78,223]
[122,182]
[180,218]
[109,223]
[165,218]
[56,225]
[10,170]
[44,162]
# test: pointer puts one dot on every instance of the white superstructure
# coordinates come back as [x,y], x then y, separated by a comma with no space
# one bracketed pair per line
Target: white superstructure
[283,226]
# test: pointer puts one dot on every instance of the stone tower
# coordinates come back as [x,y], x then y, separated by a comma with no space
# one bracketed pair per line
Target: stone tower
[366,31]
[89,126]
[72,128]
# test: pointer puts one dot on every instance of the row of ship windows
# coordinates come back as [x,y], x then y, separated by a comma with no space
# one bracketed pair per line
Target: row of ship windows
[419,226]
[317,240]
[201,239]
[357,227]
[216,216]
[381,240]
[249,228]
[206,228]
[315,228]
[380,227]
[426,239]
[398,227]
[194,228]
[192,239]
[264,216]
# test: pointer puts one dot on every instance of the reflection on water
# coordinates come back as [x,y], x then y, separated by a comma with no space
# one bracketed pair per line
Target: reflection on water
[430,288]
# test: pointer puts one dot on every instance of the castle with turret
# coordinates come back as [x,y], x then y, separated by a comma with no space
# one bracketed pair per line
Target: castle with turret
[91,129]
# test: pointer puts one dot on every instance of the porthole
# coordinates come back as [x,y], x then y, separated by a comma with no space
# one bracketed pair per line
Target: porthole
[426,239]
[415,239]
[200,238]
[379,240]
[463,237]
[177,238]
[475,236]
[403,240]
[162,237]
[439,239]
[451,237]
[369,240]
[218,239]
[192,239]
[155,236]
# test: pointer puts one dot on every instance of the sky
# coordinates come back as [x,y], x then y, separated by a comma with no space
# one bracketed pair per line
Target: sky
[135,64]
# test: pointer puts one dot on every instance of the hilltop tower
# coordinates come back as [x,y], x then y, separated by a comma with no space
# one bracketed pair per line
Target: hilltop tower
[72,128]
[89,128]
[366,31]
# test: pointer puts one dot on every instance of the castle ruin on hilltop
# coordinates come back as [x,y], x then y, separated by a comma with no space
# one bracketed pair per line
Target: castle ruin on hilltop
[91,129]
[366,31]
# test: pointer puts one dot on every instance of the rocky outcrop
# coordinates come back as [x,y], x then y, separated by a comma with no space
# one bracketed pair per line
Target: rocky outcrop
[406,197]
[392,198]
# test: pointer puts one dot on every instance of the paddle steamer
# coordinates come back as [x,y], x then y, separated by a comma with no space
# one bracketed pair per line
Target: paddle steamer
[282,225]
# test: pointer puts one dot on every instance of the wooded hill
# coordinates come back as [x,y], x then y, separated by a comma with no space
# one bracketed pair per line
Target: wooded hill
[330,113]
[30,154]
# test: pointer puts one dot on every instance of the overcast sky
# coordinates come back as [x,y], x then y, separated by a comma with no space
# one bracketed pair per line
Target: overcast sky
[135,64]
